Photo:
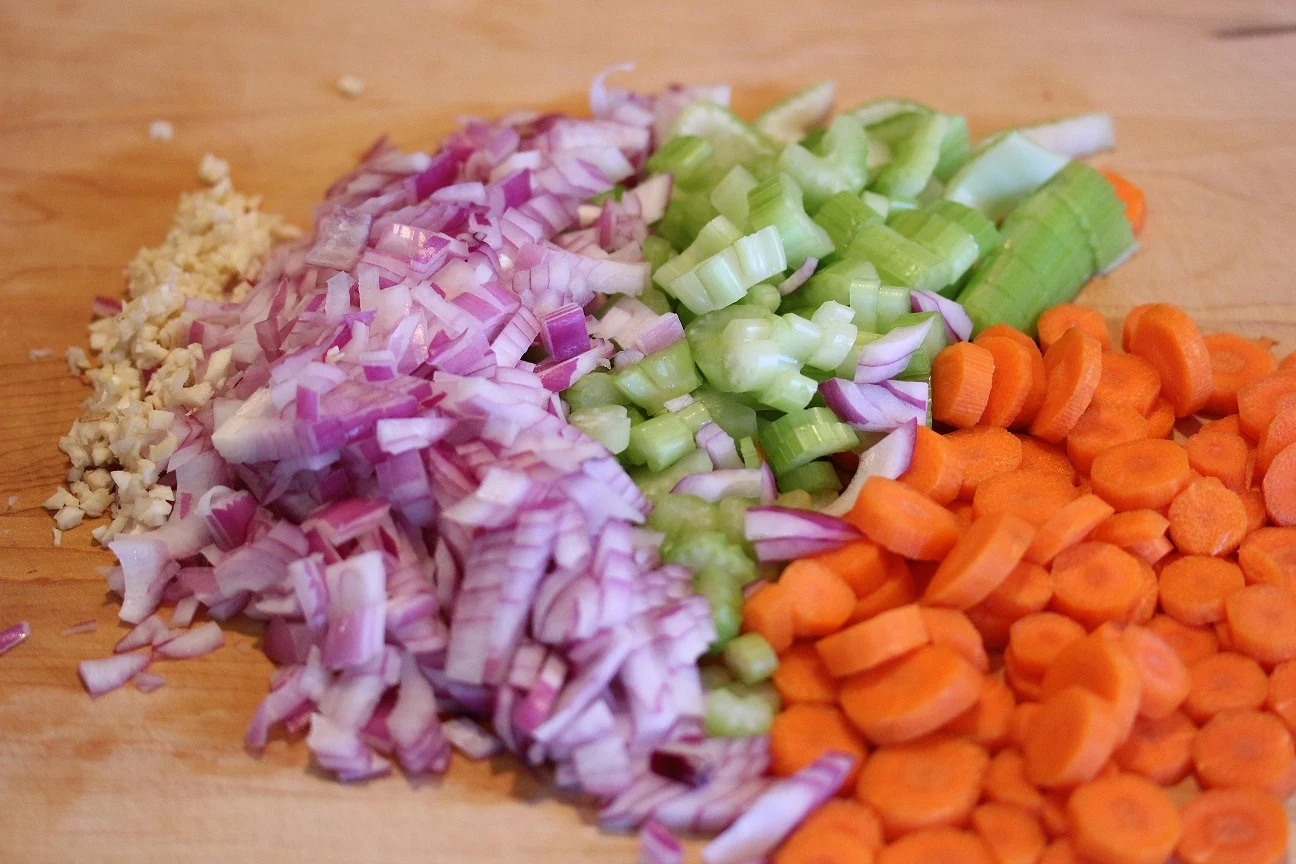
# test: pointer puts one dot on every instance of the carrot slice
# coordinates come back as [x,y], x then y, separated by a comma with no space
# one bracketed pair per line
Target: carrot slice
[1189,642]
[1220,455]
[1235,362]
[1005,780]
[992,627]
[1054,322]
[1160,750]
[1268,555]
[1207,518]
[953,629]
[1067,527]
[896,591]
[1036,641]
[1032,495]
[1261,400]
[821,600]
[962,376]
[1128,381]
[1132,318]
[937,846]
[1280,487]
[801,676]
[985,452]
[1039,377]
[873,642]
[1161,418]
[1012,383]
[1245,749]
[1101,666]
[1253,500]
[1288,362]
[986,722]
[911,696]
[1224,682]
[1096,582]
[1194,588]
[1072,737]
[1149,593]
[769,613]
[1013,835]
[1278,436]
[980,561]
[926,784]
[802,733]
[904,520]
[863,565]
[1169,340]
[1229,425]
[1163,676]
[1262,622]
[1101,428]
[936,469]
[1074,364]
[1124,819]
[1027,687]
[1045,458]
[1141,475]
[1028,588]
[1131,196]
[1281,695]
[1231,826]
[837,832]
[1131,528]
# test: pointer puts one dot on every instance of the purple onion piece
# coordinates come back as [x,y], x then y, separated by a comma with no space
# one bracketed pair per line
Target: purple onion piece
[888,458]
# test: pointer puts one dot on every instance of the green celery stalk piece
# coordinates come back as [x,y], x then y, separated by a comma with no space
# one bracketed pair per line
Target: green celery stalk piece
[705,335]
[684,157]
[764,294]
[656,251]
[729,196]
[880,110]
[727,715]
[593,391]
[675,515]
[834,282]
[802,436]
[983,231]
[715,235]
[814,476]
[686,216]
[1099,210]
[788,120]
[943,237]
[747,450]
[893,301]
[842,215]
[734,141]
[936,340]
[660,441]
[778,202]
[607,424]
[655,484]
[995,179]
[731,415]
[955,148]
[840,166]
[913,158]
[899,260]
[750,658]
[879,204]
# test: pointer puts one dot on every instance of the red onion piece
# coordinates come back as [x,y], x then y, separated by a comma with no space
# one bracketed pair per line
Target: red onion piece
[146,682]
[340,239]
[563,332]
[782,533]
[658,846]
[109,673]
[13,636]
[196,642]
[875,407]
[888,458]
[885,358]
[799,276]
[470,739]
[725,483]
[958,326]
[88,626]
[719,446]
[150,631]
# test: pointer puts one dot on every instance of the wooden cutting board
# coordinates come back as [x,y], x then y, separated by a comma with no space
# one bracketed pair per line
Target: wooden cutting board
[1205,99]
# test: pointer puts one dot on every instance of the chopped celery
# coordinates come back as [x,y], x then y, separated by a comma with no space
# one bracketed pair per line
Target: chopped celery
[765,295]
[658,377]
[735,418]
[892,302]
[936,338]
[676,515]
[813,139]
[994,179]
[842,167]
[835,282]
[660,441]
[731,514]
[655,298]
[714,236]
[654,484]
[777,202]
[725,597]
[764,691]
[954,149]
[795,499]
[730,195]
[811,477]
[725,277]
[592,391]
[899,260]
[750,658]
[913,159]
[941,236]
[747,450]
[879,204]
[607,424]
[1101,213]
[705,335]
[837,334]
[686,215]
[656,251]
[789,391]
[788,119]
[714,676]
[730,716]
[710,549]
[842,215]
[880,110]
[799,437]
[734,141]
[696,415]
[983,231]
[919,368]
[684,157]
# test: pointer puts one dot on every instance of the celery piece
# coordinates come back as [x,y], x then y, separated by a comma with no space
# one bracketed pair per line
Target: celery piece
[936,340]
[754,364]
[795,499]
[676,515]
[734,141]
[777,202]
[851,361]
[725,597]
[843,167]
[750,658]
[695,416]
[729,716]
[983,231]
[837,335]
[913,159]
[686,215]
[796,336]
[899,260]
[684,157]
[710,550]
[955,148]
[735,418]
[714,236]
[705,336]
[896,206]
[1100,212]
[835,282]
[864,304]
[592,391]
[730,195]
[880,110]
[607,424]
[788,119]
[747,450]
[765,691]
[658,377]
[765,295]
[896,129]
[731,514]
[655,299]
[789,391]
[724,278]
[813,140]
[879,204]
[919,368]
[656,251]
[799,437]
[660,441]
[654,484]
[811,477]
[842,215]
[892,302]
[714,676]
[941,236]
[997,177]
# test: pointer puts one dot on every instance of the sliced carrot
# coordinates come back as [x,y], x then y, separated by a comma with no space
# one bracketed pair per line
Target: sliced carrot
[1280,487]
[1013,835]
[992,627]
[1032,495]
[1132,318]
[1028,588]
[1141,475]
[1220,455]
[1277,436]
[1131,528]
[1253,501]
[873,642]
[1261,400]
[1160,750]
[1043,457]
[1262,621]
[1281,695]
[802,733]
[1207,518]
[1131,196]
[926,784]
[1128,381]
[1124,819]
[801,676]
[1102,667]
[1012,383]
[1245,749]
[1228,425]
[1019,724]
[953,629]
[1235,362]
[1005,781]
[911,696]
[1169,340]
[985,451]
[1163,675]
[936,469]
[1054,322]
[1233,826]
[1226,681]
[937,846]
[863,564]
[1149,592]
[962,375]
[1288,362]
[1224,634]
[1039,376]
[1194,588]
[1036,641]
[1189,642]
[1027,687]
[962,512]
[895,592]
[837,832]
[1101,428]
[1096,582]
[769,613]
[1074,364]
[1268,555]
[987,722]
[1072,737]
[980,561]
[821,600]
[1161,418]
[1067,527]
[1053,815]
[904,520]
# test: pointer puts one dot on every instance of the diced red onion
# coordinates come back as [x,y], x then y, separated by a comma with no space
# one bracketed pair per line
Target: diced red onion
[799,276]
[196,642]
[886,357]
[725,483]
[109,673]
[719,446]
[150,631]
[470,739]
[183,614]
[658,846]
[782,533]
[563,332]
[340,239]
[958,326]
[146,682]
[888,458]
[13,636]
[653,195]
[875,407]
[88,626]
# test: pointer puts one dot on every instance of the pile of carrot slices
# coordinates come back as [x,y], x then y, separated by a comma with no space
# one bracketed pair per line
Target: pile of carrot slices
[1062,607]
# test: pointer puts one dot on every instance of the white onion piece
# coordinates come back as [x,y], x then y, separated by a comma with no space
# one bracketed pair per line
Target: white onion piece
[888,458]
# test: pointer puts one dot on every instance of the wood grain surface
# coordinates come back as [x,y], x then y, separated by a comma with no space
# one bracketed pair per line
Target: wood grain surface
[1205,99]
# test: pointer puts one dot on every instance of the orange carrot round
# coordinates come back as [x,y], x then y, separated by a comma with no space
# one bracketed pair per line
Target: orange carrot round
[980,561]
[1230,826]
[1189,642]
[1281,695]
[1072,737]
[1127,380]
[1141,474]
[1101,428]
[1005,781]
[953,629]
[862,564]
[1261,400]
[1067,527]
[821,600]
[987,722]
[1220,455]
[904,520]
[1102,667]
[873,642]
[1124,819]
[895,591]
[1130,528]
[1280,487]
[1074,364]
[1095,582]
[1132,318]
[1235,362]
[1054,322]
[1163,675]
[1268,555]
[801,676]
[1039,376]
[1229,425]
[1036,640]
[1169,340]
[1207,518]
[1045,458]
[1028,588]
[985,452]
[1262,622]
[1013,835]
[1277,436]
[936,469]
[962,376]
[937,846]
[837,832]
[1012,382]
[1251,749]
[926,784]
[802,733]
[1032,495]
[1194,588]
[911,696]
[1160,750]
[769,613]
[1224,682]
[1131,196]
[1161,418]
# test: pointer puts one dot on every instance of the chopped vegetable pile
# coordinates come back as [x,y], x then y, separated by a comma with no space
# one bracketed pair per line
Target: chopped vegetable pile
[612,443]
